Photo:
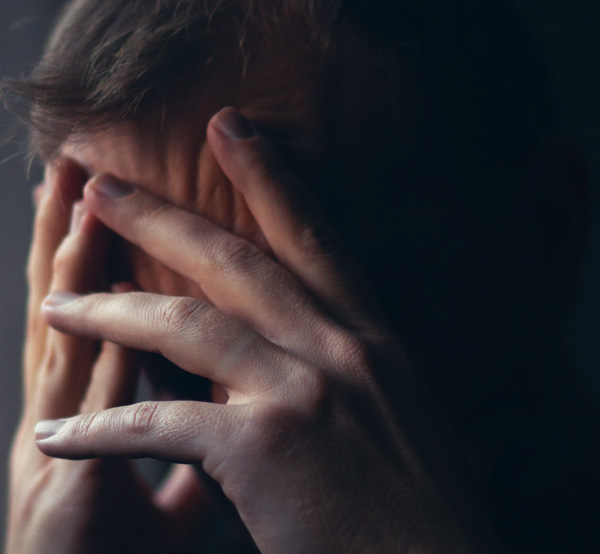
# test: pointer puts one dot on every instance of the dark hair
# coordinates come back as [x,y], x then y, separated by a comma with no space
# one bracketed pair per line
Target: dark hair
[114,60]
[109,61]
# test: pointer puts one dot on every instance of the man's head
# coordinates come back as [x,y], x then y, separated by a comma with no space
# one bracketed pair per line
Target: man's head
[424,127]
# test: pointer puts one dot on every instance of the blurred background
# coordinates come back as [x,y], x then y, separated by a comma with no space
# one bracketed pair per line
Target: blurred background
[567,33]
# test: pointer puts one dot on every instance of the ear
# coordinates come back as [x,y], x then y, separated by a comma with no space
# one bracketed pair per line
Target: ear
[554,219]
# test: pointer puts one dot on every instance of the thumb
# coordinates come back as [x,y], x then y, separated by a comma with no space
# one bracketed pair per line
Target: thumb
[181,432]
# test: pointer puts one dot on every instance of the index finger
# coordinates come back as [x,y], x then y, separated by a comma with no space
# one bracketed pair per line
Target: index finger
[293,223]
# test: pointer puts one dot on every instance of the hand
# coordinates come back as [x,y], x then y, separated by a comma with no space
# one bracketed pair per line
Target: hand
[328,441]
[59,506]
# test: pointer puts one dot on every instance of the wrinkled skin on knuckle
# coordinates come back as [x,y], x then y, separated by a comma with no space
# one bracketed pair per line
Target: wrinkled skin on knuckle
[178,314]
[91,430]
[86,428]
[362,359]
[234,256]
[349,354]
[140,419]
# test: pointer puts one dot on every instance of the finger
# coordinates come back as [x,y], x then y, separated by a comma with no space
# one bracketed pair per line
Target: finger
[181,483]
[183,495]
[80,261]
[194,335]
[237,276]
[193,500]
[114,379]
[115,374]
[63,185]
[297,231]
[60,381]
[187,504]
[180,432]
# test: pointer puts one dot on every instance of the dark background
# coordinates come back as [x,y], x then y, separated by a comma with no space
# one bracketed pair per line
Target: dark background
[567,32]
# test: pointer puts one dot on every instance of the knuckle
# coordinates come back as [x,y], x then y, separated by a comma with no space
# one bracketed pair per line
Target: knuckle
[349,353]
[86,426]
[135,420]
[140,419]
[177,314]
[319,389]
[235,255]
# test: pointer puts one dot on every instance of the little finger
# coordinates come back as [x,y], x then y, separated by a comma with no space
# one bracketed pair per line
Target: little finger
[180,432]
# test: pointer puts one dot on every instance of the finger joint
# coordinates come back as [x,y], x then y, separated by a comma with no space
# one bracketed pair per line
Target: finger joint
[234,255]
[177,315]
[139,419]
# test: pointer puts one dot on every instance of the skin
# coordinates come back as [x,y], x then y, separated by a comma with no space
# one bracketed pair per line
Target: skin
[66,375]
[306,363]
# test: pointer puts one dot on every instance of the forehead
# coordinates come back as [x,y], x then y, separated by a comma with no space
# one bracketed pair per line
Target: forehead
[126,151]
[315,110]
[287,107]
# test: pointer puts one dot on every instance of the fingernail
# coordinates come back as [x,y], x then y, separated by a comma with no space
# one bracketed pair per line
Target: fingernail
[77,215]
[234,125]
[112,187]
[58,299]
[48,428]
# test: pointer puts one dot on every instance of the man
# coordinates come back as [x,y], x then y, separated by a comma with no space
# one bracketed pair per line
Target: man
[447,187]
